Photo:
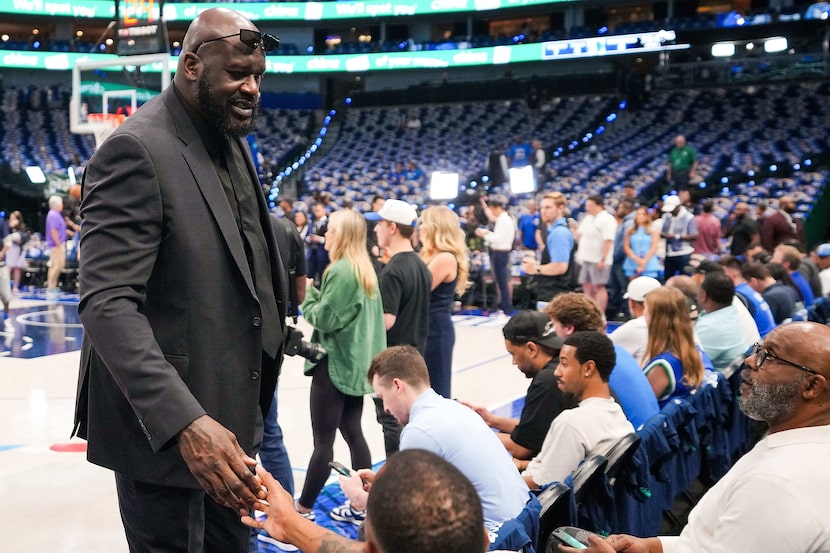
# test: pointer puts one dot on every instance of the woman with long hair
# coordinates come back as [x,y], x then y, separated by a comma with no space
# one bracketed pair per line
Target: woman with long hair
[444,251]
[674,365]
[640,246]
[347,316]
[15,257]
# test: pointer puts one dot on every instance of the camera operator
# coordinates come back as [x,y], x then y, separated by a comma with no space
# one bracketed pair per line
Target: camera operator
[346,313]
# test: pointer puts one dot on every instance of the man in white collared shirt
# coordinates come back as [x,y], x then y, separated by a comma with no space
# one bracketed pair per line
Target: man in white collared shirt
[775,497]
[500,241]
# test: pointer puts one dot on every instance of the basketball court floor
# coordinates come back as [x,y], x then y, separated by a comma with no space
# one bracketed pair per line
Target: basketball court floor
[52,500]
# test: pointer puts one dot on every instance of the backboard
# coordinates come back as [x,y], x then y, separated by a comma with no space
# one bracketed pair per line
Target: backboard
[105,92]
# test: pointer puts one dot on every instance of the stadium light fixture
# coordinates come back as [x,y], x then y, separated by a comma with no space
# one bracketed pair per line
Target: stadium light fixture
[35,174]
[723,50]
[775,44]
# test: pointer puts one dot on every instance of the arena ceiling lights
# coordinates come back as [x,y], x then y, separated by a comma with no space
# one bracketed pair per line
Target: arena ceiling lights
[634,44]
[771,45]
[278,11]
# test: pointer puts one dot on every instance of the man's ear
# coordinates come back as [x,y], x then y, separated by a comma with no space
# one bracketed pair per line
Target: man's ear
[816,388]
[192,62]
[589,367]
[486,539]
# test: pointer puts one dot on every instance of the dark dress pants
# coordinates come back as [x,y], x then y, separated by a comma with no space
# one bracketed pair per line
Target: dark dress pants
[163,519]
[500,264]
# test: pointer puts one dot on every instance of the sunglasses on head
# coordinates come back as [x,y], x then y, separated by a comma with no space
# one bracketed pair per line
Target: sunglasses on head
[252,39]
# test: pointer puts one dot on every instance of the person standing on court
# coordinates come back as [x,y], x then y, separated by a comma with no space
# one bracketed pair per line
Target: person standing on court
[682,167]
[56,243]
[182,299]
[445,254]
[405,286]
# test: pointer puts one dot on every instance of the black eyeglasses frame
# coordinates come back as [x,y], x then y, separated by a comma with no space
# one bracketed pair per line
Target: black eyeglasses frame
[761,354]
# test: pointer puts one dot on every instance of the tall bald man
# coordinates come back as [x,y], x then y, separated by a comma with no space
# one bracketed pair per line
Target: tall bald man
[182,299]
[775,497]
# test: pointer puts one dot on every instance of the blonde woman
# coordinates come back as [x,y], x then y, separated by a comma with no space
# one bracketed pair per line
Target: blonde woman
[347,316]
[640,246]
[674,365]
[445,253]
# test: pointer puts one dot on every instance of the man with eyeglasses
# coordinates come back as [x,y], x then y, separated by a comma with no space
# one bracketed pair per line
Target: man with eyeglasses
[182,299]
[775,498]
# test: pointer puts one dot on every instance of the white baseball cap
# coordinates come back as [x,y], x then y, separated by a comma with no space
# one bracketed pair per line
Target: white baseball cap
[639,287]
[399,212]
[670,204]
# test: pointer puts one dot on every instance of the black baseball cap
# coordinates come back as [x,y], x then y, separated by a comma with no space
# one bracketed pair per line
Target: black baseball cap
[708,266]
[532,326]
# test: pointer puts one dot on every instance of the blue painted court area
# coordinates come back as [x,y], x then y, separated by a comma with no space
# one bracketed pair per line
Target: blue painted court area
[42,329]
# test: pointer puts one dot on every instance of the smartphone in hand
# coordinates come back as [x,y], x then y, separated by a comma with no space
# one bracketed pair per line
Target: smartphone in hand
[340,468]
[571,536]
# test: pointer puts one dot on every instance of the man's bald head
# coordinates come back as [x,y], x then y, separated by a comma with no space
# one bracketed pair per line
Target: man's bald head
[787,203]
[741,209]
[782,391]
[214,23]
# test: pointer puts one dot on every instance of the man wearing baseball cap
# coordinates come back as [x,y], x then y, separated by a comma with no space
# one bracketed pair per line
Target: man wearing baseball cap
[534,347]
[679,231]
[632,336]
[405,285]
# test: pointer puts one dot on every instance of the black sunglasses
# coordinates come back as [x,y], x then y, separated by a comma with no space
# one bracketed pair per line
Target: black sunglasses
[761,354]
[251,39]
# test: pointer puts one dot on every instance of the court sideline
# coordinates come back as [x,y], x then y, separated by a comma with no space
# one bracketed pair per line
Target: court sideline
[53,500]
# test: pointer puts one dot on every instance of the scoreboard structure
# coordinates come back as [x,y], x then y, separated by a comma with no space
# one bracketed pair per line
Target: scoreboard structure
[140,27]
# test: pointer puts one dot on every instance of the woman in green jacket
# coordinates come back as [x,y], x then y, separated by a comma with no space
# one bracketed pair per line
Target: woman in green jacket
[347,316]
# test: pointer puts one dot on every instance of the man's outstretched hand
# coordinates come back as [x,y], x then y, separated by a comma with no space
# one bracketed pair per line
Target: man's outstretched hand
[221,467]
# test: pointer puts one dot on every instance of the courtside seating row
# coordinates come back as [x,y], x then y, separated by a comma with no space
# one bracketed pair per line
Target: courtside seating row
[632,488]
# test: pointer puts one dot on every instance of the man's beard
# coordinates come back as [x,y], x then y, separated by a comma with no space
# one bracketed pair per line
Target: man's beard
[771,402]
[218,113]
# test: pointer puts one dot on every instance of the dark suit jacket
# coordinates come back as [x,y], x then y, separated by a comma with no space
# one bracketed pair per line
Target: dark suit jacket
[775,229]
[172,322]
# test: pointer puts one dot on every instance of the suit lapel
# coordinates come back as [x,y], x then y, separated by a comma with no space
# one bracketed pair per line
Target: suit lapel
[204,173]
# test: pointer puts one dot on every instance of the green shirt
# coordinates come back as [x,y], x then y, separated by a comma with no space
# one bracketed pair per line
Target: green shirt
[682,159]
[349,324]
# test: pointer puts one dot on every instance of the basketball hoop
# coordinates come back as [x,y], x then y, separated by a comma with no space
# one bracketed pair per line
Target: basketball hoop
[103,124]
